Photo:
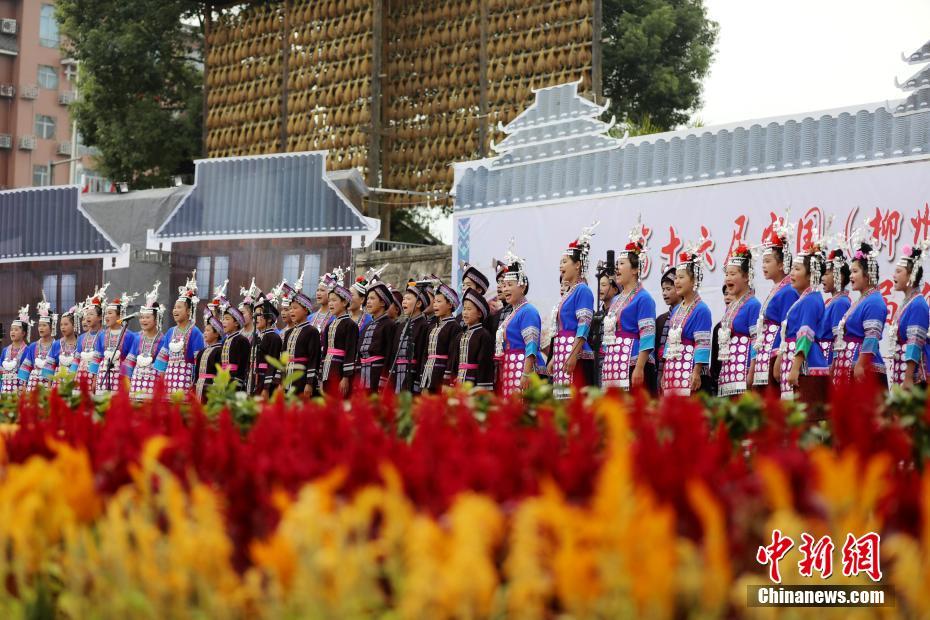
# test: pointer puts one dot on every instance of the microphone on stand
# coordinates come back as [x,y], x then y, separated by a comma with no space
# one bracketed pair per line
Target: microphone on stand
[126,318]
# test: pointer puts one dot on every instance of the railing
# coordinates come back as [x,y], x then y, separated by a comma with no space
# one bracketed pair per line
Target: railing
[389,246]
[151,256]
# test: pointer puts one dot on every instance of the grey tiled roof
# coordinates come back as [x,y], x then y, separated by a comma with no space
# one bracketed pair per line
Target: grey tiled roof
[241,197]
[922,54]
[603,165]
[915,102]
[921,79]
[45,223]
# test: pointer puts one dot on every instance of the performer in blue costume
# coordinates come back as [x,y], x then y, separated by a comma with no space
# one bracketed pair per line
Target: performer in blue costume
[738,326]
[856,353]
[800,366]
[37,356]
[175,359]
[687,351]
[572,363]
[835,281]
[630,322]
[114,345]
[907,333]
[12,355]
[776,257]
[517,341]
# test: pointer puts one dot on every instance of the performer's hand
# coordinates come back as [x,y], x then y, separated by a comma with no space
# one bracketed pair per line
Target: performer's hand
[794,375]
[776,371]
[344,387]
[695,380]
[908,381]
[859,371]
[524,382]
[638,376]
[749,375]
[551,366]
[570,363]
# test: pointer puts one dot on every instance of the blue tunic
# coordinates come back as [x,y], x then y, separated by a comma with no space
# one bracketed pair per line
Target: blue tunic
[744,323]
[575,314]
[85,341]
[833,312]
[126,347]
[865,323]
[697,330]
[912,329]
[778,308]
[638,318]
[524,331]
[194,345]
[801,324]
[28,362]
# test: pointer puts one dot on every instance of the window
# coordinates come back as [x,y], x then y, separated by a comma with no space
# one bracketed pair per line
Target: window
[60,290]
[45,126]
[291,269]
[40,176]
[48,77]
[48,26]
[218,267]
[68,290]
[307,264]
[312,269]
[50,289]
[203,277]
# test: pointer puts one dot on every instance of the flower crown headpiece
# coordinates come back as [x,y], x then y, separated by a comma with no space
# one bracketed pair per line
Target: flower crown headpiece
[99,298]
[581,247]
[188,292]
[912,258]
[45,314]
[151,305]
[24,321]
[779,238]
[514,267]
[863,248]
[691,257]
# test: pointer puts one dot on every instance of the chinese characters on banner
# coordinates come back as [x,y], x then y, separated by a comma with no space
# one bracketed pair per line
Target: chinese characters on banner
[891,203]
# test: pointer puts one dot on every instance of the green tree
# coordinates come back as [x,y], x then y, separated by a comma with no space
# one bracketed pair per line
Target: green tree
[655,55]
[140,84]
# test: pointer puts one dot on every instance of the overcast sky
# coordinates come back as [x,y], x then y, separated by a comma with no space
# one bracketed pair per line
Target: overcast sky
[788,56]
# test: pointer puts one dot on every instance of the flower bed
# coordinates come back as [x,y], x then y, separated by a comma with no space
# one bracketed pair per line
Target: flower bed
[450,507]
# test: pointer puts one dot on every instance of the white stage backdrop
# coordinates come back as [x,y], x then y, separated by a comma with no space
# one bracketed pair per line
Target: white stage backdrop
[894,198]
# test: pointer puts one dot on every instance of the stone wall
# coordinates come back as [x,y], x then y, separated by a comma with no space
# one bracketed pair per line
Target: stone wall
[406,263]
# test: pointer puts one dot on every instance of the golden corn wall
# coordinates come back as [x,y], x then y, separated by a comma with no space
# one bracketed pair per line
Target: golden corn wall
[430,81]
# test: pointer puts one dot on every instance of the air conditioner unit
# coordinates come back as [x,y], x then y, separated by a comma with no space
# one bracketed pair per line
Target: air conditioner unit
[6,141]
[29,92]
[8,26]
[27,143]
[64,148]
[7,90]
[66,98]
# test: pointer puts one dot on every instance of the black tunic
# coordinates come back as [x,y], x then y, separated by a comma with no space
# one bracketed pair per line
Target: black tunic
[262,375]
[439,345]
[408,353]
[235,359]
[374,348]
[472,358]
[205,363]
[302,345]
[340,345]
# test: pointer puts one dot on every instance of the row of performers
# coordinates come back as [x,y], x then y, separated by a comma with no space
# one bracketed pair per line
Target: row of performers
[793,340]
[329,345]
